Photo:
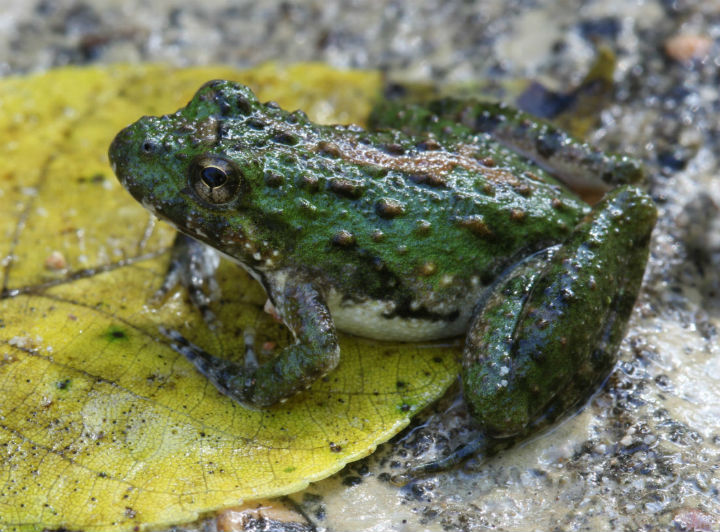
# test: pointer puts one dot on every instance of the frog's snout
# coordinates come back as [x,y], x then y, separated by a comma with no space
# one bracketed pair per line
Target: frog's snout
[117,147]
[129,147]
[133,140]
[118,153]
[125,152]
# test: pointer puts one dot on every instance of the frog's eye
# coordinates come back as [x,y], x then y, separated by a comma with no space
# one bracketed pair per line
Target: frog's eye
[214,179]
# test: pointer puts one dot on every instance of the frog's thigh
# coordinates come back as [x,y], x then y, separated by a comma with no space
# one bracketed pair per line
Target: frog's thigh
[564,324]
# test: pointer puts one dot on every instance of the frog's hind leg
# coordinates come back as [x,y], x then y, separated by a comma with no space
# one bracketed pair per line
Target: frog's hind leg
[564,338]
[547,332]
[584,168]
[494,321]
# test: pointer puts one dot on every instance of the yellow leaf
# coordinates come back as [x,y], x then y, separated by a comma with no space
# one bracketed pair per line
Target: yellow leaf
[102,425]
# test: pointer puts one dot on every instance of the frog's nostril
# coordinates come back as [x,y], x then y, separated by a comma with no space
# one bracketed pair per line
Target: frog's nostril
[149,146]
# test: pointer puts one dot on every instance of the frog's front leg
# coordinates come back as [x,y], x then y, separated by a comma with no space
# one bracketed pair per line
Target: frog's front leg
[314,353]
[548,332]
[192,265]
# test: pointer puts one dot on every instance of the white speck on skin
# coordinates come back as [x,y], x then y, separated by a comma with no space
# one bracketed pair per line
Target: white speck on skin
[446,280]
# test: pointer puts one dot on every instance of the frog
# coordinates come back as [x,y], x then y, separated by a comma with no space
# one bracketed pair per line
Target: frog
[436,220]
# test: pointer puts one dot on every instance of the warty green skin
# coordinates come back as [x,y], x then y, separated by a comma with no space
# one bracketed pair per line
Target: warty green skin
[397,234]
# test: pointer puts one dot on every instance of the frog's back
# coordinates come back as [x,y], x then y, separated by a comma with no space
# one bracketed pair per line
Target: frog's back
[377,210]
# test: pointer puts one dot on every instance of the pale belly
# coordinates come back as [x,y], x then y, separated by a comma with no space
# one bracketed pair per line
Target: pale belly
[368,319]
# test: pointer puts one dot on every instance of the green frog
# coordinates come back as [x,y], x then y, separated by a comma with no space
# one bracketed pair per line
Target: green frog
[451,218]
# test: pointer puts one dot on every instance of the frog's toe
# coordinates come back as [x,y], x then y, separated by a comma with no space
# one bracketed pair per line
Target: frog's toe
[229,378]
[477,447]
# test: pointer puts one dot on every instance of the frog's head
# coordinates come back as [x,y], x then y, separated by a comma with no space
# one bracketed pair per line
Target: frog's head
[197,168]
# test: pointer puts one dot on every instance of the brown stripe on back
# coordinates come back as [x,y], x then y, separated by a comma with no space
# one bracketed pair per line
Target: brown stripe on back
[427,163]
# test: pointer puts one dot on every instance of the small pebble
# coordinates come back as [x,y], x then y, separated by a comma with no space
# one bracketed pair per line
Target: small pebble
[55,261]
[687,47]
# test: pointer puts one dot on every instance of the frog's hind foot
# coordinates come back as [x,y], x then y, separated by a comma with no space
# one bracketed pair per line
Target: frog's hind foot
[480,449]
[476,447]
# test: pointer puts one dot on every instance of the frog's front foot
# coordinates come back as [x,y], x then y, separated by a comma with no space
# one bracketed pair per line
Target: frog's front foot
[296,367]
[549,330]
[230,378]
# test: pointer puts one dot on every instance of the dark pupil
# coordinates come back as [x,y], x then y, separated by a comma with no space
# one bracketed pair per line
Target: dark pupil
[213,177]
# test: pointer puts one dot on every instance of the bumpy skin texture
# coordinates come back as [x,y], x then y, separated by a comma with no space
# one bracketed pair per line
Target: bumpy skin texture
[397,234]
